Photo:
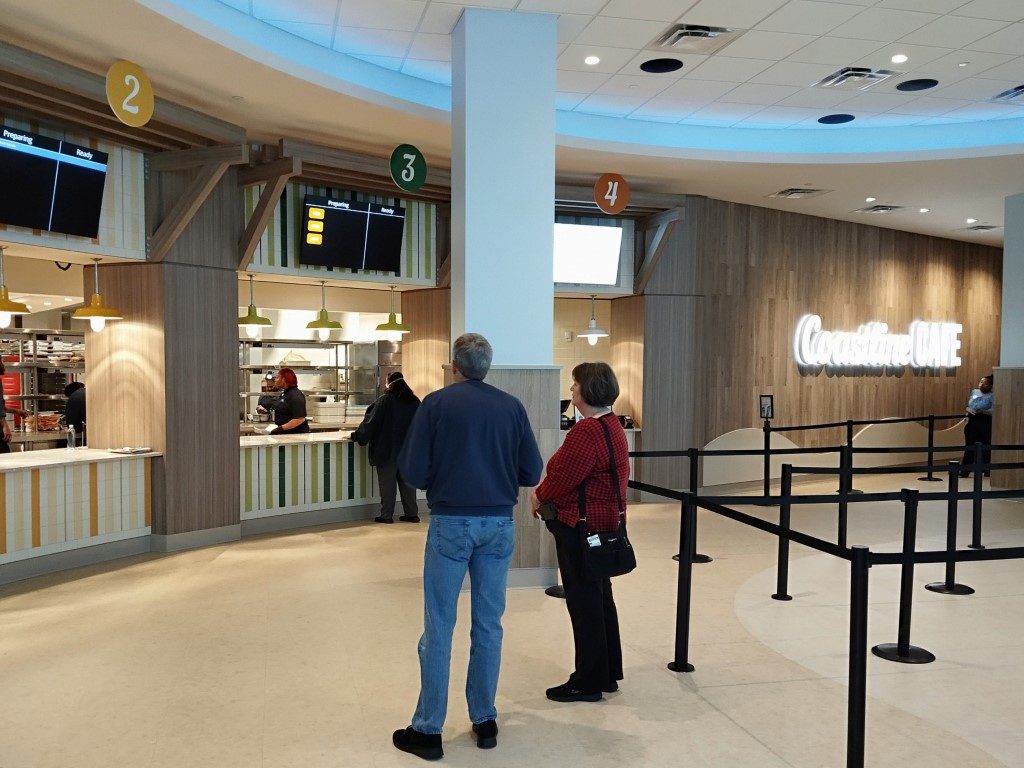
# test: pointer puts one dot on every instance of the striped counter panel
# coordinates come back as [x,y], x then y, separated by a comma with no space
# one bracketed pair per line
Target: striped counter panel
[54,509]
[282,479]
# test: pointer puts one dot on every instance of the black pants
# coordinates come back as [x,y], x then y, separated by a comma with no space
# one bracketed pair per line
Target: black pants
[390,482]
[977,430]
[595,621]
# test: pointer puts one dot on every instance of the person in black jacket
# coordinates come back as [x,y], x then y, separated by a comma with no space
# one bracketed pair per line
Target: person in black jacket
[384,428]
[74,412]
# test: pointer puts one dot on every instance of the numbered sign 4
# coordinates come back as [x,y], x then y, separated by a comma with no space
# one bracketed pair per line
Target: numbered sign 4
[611,193]
[408,167]
[129,93]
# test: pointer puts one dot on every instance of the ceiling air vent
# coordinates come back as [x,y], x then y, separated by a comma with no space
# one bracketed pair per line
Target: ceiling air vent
[855,78]
[879,209]
[1011,95]
[694,38]
[798,193]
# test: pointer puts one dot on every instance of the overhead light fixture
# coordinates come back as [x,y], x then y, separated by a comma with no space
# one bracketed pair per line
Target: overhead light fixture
[972,221]
[899,58]
[870,199]
[963,64]
[8,308]
[924,210]
[68,300]
[97,313]
[592,61]
[47,303]
[252,321]
[592,332]
[392,325]
[323,325]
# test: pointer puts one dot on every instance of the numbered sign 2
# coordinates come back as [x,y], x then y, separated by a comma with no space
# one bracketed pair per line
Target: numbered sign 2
[611,193]
[408,167]
[129,93]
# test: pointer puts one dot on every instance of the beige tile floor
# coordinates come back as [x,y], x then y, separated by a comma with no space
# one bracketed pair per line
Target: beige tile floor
[299,650]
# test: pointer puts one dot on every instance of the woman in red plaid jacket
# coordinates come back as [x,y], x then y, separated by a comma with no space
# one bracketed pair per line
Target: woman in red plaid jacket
[584,458]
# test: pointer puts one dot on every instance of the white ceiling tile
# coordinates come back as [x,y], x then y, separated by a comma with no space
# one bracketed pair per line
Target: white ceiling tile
[1007,40]
[632,86]
[808,17]
[320,34]
[757,93]
[652,10]
[816,98]
[725,112]
[570,25]
[589,7]
[431,47]
[666,109]
[371,42]
[954,32]
[942,120]
[440,18]
[875,102]
[305,11]
[738,14]
[238,5]
[948,68]
[917,56]
[612,59]
[766,45]
[793,73]
[580,82]
[708,123]
[888,119]
[1012,70]
[930,106]
[388,62]
[778,117]
[930,6]
[730,70]
[638,115]
[381,14]
[690,62]
[500,5]
[835,51]
[695,91]
[974,89]
[1001,10]
[621,33]
[568,101]
[987,111]
[852,2]
[883,24]
[612,106]
[434,71]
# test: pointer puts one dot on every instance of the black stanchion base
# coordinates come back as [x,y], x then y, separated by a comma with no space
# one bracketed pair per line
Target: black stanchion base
[890,652]
[698,558]
[852,490]
[782,597]
[942,588]
[927,479]
[680,667]
[975,546]
[556,591]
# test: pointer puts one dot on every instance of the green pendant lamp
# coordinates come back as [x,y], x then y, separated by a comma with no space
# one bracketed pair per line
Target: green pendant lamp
[323,325]
[97,313]
[8,308]
[392,325]
[251,322]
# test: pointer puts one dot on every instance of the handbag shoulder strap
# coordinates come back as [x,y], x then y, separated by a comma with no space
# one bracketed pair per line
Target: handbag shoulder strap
[614,469]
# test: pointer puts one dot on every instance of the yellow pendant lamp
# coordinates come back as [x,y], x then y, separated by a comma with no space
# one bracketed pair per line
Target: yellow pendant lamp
[97,313]
[323,325]
[8,308]
[252,321]
[392,325]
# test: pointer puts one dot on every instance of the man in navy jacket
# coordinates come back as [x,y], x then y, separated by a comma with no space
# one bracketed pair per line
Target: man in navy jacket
[471,448]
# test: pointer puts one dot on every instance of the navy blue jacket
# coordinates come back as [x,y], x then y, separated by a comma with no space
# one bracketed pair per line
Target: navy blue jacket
[470,447]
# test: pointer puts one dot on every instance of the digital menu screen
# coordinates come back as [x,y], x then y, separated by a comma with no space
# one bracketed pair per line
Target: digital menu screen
[351,235]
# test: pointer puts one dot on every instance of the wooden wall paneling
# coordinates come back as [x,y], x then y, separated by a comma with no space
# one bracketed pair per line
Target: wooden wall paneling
[1008,425]
[627,356]
[427,347]
[211,238]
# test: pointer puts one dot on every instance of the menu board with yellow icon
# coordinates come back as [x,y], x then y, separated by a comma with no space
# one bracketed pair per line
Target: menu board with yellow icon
[351,234]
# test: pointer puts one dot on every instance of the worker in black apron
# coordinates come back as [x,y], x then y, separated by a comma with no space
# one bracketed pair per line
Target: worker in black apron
[289,406]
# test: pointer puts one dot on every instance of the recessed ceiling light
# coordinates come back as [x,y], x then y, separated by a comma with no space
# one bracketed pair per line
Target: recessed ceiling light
[47,303]
[963,64]
[924,210]
[592,60]
[837,119]
[238,98]
[899,58]
[68,299]
[661,66]
[870,199]
[920,84]
[972,221]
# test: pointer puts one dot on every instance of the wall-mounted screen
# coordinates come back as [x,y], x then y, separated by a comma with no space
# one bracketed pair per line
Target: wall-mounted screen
[351,234]
[589,254]
[50,184]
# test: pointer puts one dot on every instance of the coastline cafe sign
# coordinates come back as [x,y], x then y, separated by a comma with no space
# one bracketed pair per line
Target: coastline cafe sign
[873,349]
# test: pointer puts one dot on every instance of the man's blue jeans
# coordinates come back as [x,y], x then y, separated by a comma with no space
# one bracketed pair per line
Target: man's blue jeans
[483,546]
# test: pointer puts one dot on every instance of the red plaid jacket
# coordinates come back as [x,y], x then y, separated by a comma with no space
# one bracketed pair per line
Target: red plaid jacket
[584,456]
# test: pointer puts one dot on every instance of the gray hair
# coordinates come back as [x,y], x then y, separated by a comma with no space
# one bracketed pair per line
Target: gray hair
[472,355]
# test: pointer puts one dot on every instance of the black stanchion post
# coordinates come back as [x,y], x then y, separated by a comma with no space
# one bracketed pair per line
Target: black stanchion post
[767,458]
[785,507]
[902,651]
[976,500]
[931,453]
[949,586]
[687,525]
[845,481]
[692,456]
[856,705]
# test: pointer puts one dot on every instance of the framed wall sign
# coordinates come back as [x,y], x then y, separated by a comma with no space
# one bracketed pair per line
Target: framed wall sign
[767,407]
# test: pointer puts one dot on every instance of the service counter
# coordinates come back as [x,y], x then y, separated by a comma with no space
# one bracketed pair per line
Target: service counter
[57,500]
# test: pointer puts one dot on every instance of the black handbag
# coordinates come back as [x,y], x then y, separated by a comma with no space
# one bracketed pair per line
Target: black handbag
[605,553]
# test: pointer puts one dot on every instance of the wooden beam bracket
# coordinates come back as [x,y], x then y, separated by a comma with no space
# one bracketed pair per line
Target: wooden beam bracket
[663,223]
[188,204]
[275,175]
[186,159]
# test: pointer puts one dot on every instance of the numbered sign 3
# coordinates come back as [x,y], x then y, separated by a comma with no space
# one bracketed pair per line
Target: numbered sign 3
[129,93]
[408,167]
[611,193]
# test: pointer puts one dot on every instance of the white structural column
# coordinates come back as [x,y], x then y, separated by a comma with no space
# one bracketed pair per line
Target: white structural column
[1011,343]
[503,182]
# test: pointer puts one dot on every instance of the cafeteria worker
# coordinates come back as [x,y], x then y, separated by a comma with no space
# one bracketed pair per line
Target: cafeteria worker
[289,406]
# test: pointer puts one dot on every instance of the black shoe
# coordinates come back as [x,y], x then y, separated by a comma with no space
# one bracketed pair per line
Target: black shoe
[964,473]
[425,745]
[486,734]
[382,519]
[612,687]
[569,692]
[409,518]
